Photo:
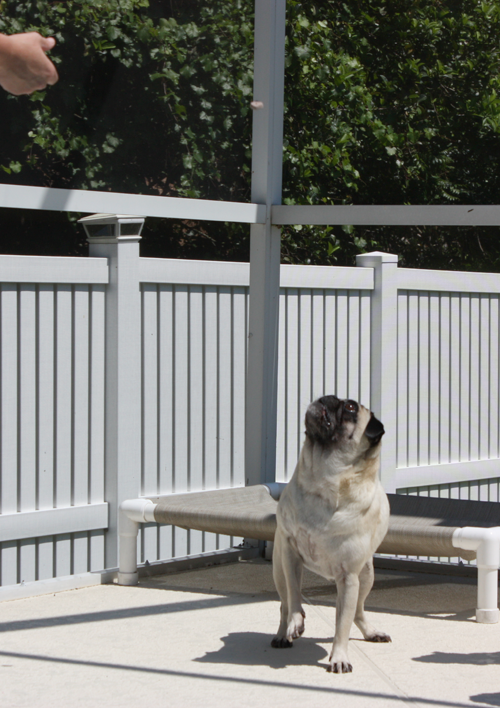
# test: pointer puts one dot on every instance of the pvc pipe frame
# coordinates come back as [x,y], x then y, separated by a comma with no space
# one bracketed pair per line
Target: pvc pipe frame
[485,541]
[132,512]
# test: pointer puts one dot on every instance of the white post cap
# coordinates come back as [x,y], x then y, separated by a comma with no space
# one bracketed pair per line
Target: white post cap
[375,257]
[112,228]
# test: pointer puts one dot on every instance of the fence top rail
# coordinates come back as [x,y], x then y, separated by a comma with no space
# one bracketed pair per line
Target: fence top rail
[53,269]
[326,277]
[215,273]
[448,281]
[387,215]
[90,201]
[190,272]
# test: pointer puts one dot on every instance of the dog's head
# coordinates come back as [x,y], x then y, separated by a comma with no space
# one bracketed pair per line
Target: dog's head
[343,424]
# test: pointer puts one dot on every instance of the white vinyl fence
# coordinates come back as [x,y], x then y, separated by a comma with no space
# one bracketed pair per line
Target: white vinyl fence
[51,413]
[123,376]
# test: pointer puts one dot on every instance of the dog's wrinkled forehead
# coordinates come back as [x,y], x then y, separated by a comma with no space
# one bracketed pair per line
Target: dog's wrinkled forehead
[330,419]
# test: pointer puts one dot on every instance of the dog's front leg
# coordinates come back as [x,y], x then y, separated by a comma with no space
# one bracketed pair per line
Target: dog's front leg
[347,600]
[287,573]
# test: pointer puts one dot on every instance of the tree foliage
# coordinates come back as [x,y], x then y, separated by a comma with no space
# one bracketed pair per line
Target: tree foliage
[387,102]
[399,104]
[153,98]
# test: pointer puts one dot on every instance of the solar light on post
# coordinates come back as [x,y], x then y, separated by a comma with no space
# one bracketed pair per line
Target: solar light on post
[108,228]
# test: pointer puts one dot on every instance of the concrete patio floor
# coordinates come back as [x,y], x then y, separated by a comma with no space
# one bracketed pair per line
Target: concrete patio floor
[202,638]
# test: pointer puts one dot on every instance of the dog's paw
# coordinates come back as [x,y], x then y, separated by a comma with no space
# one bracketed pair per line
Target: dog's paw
[340,667]
[339,663]
[378,637]
[281,643]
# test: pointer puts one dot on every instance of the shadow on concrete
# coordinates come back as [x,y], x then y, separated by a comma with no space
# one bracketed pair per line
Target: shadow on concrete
[477,659]
[490,699]
[254,648]
[128,612]
[462,616]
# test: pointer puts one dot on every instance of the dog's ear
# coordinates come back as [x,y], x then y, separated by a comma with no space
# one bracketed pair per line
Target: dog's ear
[374,430]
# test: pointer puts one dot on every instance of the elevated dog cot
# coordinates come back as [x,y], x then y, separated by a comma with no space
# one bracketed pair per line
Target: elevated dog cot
[424,526]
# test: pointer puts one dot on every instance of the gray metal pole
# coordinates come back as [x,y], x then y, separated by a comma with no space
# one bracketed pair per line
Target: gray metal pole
[267,150]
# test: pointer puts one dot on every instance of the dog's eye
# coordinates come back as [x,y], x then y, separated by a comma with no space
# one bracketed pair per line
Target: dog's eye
[350,407]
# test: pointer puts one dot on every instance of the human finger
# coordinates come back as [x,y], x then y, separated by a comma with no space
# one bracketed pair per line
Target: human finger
[48,43]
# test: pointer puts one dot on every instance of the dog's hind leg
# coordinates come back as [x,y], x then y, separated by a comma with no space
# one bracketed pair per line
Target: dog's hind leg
[287,573]
[369,632]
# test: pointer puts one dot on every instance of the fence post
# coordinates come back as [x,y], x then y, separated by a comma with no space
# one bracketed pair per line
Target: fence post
[117,238]
[384,355]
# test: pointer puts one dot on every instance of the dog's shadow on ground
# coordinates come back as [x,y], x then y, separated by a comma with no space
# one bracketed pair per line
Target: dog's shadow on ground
[254,648]
[476,659]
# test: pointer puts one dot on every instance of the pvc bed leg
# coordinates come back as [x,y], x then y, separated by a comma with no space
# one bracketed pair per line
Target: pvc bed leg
[486,543]
[132,513]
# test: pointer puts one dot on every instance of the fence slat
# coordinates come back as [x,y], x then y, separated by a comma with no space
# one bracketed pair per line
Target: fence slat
[330,340]
[342,344]
[225,365]
[318,359]
[97,383]
[455,378]
[63,422]
[365,338]
[27,398]
[293,416]
[434,379]
[196,385]
[240,338]
[149,390]
[413,380]
[402,401]
[45,415]
[165,393]
[494,387]
[27,421]
[281,416]
[474,390]
[81,386]
[181,405]
[423,379]
[465,372]
[486,395]
[444,380]
[354,353]
[45,402]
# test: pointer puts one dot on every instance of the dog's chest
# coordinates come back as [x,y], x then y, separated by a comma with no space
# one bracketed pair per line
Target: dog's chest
[331,539]
[329,544]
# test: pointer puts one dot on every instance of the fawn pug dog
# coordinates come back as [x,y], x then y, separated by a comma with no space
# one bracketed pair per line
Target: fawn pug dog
[331,518]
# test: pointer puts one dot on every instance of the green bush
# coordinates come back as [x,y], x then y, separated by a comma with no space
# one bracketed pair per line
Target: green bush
[386,102]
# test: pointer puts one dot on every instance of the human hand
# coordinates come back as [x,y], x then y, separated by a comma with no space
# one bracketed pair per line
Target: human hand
[24,66]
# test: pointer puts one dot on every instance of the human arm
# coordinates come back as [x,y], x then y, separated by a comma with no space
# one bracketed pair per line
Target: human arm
[24,66]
